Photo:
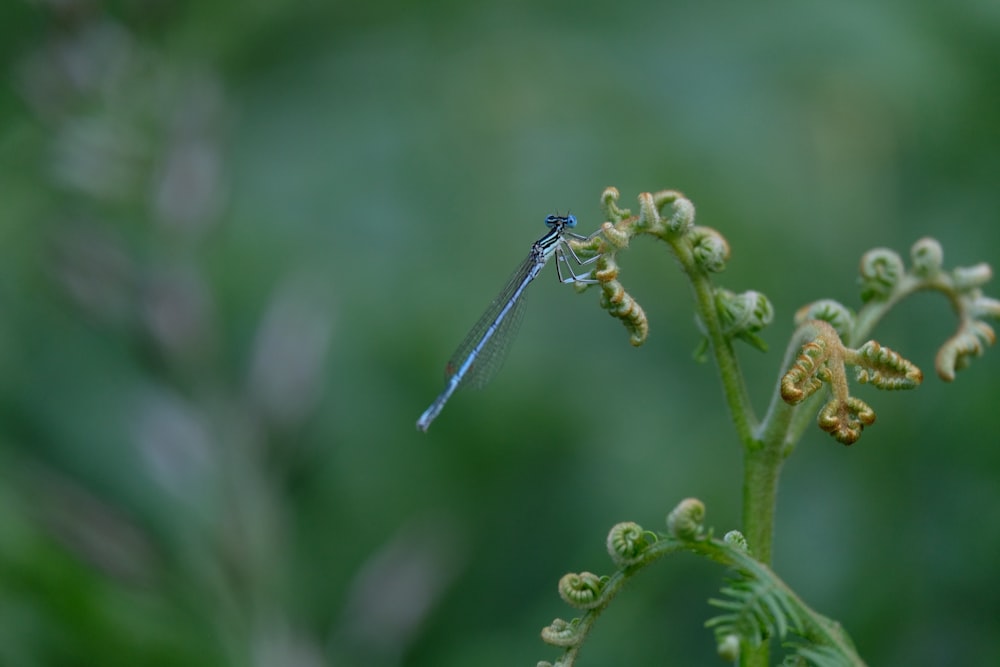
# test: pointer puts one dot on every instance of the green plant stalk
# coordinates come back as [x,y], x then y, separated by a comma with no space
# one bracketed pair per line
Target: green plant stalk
[762,459]
[774,441]
[761,469]
[733,385]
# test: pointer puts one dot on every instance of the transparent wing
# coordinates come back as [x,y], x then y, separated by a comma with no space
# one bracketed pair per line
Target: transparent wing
[494,351]
[489,340]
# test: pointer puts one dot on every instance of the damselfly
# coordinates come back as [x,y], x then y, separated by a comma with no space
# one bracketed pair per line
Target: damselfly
[481,353]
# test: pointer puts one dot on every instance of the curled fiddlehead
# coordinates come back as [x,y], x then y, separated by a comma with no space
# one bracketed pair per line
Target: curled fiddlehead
[822,361]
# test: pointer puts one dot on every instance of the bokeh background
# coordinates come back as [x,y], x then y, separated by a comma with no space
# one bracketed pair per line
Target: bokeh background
[238,241]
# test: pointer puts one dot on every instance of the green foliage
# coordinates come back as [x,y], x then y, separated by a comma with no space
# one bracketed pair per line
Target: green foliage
[755,612]
[757,606]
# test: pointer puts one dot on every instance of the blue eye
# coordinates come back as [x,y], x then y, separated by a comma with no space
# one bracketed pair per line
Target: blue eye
[564,220]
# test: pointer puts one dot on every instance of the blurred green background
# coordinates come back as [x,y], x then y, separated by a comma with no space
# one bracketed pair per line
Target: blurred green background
[240,240]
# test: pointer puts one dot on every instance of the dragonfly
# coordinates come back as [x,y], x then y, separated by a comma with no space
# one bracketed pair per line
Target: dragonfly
[481,354]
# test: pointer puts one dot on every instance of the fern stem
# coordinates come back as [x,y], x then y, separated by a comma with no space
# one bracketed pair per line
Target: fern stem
[762,466]
[733,385]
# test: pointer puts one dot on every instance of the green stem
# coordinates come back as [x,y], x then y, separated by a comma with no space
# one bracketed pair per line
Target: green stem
[774,440]
[761,469]
[733,385]
[762,461]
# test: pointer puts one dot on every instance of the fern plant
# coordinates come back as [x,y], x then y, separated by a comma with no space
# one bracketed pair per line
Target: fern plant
[755,606]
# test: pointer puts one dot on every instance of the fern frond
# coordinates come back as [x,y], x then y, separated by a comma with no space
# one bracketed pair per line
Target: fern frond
[760,606]
[812,654]
[756,604]
[757,611]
